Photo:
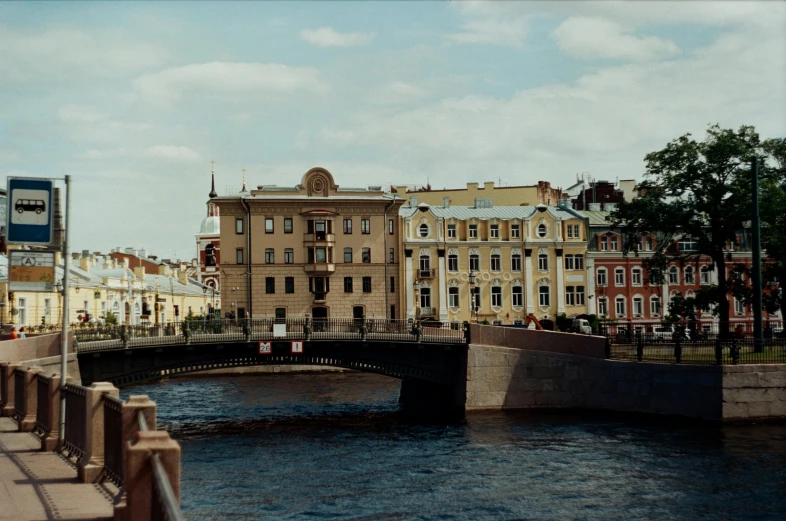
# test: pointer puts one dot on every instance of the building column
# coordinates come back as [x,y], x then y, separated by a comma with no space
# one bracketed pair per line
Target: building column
[560,282]
[443,289]
[408,283]
[591,297]
[529,281]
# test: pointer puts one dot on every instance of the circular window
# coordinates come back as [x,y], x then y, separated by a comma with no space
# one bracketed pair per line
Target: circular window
[423,230]
[542,230]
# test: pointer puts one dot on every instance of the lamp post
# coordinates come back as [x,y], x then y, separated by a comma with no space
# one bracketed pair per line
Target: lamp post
[416,286]
[156,307]
[472,296]
[59,288]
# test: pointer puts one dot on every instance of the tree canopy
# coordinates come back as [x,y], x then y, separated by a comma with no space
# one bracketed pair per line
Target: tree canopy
[701,191]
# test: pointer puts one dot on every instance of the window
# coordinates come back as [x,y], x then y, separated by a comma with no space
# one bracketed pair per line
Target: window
[619,276]
[604,243]
[424,264]
[453,297]
[287,224]
[568,262]
[544,297]
[655,306]
[425,298]
[366,255]
[319,255]
[517,295]
[638,306]
[648,243]
[496,262]
[603,306]
[423,230]
[704,273]
[688,244]
[270,256]
[268,225]
[451,231]
[473,231]
[739,307]
[391,227]
[289,284]
[347,284]
[453,262]
[635,276]
[21,307]
[496,297]
[347,226]
[515,262]
[579,295]
[619,306]
[281,315]
[365,226]
[674,275]
[366,284]
[270,284]
[570,296]
[289,256]
[614,243]
[474,262]
[579,262]
[542,230]
[514,231]
[574,231]
[603,277]
[690,275]
[543,261]
[347,255]
[392,284]
[392,256]
[494,231]
[475,304]
[239,226]
[210,255]
[239,256]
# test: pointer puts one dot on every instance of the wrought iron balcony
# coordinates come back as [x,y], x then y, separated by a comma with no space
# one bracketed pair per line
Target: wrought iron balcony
[426,273]
[427,312]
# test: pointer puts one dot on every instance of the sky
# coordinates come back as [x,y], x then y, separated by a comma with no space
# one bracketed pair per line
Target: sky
[134,99]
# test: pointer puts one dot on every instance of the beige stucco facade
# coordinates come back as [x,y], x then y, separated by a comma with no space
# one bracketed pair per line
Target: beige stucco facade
[541,193]
[526,259]
[306,243]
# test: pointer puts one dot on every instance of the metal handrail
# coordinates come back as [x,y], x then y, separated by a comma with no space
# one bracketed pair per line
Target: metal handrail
[141,421]
[162,488]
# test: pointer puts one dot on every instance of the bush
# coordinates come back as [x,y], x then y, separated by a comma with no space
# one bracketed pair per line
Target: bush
[110,318]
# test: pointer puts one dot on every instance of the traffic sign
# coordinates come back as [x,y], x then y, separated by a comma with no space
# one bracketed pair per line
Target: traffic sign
[297,347]
[265,348]
[31,270]
[29,211]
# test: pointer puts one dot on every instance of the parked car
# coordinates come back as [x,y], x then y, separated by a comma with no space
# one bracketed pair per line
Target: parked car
[580,325]
[666,333]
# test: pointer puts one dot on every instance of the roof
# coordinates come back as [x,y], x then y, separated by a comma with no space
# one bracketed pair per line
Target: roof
[596,218]
[495,212]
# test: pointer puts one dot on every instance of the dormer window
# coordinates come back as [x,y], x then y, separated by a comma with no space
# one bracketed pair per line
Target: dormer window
[542,230]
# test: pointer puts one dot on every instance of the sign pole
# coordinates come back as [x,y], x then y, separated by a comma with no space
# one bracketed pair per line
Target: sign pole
[64,345]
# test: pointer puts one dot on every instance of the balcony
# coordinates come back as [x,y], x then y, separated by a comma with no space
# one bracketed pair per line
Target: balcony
[427,312]
[426,273]
[320,268]
[319,238]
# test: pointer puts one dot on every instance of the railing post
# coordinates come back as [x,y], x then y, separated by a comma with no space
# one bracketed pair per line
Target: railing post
[639,347]
[735,351]
[49,437]
[131,409]
[26,403]
[467,336]
[718,351]
[677,351]
[306,329]
[91,465]
[607,348]
[139,472]
[7,370]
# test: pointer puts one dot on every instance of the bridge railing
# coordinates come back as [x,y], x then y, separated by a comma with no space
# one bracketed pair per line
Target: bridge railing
[75,441]
[102,337]
[716,351]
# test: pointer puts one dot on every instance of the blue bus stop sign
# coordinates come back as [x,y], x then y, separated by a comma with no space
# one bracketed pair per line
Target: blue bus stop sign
[29,213]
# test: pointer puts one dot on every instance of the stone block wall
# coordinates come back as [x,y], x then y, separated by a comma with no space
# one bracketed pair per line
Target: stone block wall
[509,378]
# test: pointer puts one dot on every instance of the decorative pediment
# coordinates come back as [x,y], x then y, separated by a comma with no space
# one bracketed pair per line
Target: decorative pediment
[319,182]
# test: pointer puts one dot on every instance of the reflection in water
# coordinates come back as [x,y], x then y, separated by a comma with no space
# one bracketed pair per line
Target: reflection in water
[333,446]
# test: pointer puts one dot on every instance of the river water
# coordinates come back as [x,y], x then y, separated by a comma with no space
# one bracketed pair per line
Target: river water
[332,446]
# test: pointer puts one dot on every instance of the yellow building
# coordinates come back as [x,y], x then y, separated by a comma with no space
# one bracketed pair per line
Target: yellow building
[315,248]
[524,260]
[541,193]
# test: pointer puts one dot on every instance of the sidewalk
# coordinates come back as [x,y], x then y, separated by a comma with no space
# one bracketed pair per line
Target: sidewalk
[37,485]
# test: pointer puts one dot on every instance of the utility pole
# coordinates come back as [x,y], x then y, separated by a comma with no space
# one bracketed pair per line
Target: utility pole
[64,345]
[758,332]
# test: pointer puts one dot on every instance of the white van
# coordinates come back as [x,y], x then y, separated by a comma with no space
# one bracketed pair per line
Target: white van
[665,333]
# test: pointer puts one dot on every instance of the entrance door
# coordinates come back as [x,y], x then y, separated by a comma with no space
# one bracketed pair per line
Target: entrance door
[357,314]
[320,315]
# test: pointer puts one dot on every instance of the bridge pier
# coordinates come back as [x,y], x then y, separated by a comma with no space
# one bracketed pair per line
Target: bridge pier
[429,401]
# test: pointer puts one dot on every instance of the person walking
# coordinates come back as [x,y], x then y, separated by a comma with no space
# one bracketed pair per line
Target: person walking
[14,334]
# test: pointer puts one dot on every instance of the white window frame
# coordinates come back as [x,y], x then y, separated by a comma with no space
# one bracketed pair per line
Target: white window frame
[453,257]
[619,277]
[473,231]
[496,296]
[453,297]
[603,306]
[494,231]
[515,258]
[514,294]
[543,262]
[602,277]
[705,274]
[674,275]
[636,277]
[689,276]
[477,264]
[496,258]
[451,231]
[542,231]
[656,306]
[638,306]
[544,297]
[617,301]
[570,295]
[515,231]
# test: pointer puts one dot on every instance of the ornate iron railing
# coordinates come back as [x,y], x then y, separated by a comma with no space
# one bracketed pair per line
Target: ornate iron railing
[716,351]
[19,393]
[75,441]
[114,440]
[42,407]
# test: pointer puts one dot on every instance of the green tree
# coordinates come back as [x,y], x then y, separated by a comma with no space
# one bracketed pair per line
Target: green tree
[110,318]
[773,216]
[696,190]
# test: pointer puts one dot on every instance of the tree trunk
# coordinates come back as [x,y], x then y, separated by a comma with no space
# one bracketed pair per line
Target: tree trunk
[723,297]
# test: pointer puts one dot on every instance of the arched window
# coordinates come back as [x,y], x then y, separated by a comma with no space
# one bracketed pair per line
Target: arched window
[655,306]
[690,276]
[705,275]
[619,276]
[674,275]
[496,261]
[619,306]
[603,277]
[603,306]
[638,306]
[635,276]
[210,255]
[474,261]
[453,264]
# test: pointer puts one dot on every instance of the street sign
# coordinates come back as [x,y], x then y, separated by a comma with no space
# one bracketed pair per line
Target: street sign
[31,270]
[297,347]
[29,211]
[265,348]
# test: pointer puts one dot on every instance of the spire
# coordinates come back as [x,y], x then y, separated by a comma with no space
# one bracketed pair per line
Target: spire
[244,189]
[212,193]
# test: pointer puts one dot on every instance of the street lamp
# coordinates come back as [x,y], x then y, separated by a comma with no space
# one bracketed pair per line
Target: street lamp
[416,286]
[59,288]
[212,298]
[472,296]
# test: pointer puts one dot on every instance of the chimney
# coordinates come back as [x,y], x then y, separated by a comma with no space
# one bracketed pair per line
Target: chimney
[163,269]
[446,202]
[594,207]
[114,263]
[84,263]
[610,207]
[139,271]
[562,204]
[182,277]
[472,186]
[488,185]
[126,263]
[107,263]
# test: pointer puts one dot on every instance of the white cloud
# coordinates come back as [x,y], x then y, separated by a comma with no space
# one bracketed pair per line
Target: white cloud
[227,79]
[598,38]
[110,153]
[492,27]
[397,92]
[329,37]
[171,153]
[79,114]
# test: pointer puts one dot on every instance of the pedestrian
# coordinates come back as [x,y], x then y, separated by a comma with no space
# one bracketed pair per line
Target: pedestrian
[22,332]
[14,334]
